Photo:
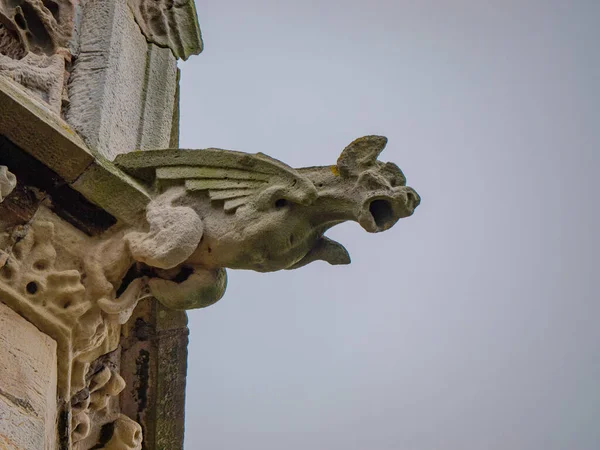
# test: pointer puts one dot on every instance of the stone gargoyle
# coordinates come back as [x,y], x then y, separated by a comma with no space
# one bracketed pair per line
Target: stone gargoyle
[218,209]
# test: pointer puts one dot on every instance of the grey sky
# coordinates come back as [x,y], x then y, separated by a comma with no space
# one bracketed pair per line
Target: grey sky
[471,325]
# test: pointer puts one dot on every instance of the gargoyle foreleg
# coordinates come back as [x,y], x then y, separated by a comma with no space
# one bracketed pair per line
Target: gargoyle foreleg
[174,232]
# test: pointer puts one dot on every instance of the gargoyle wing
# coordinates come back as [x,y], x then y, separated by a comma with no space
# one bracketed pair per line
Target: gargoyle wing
[228,176]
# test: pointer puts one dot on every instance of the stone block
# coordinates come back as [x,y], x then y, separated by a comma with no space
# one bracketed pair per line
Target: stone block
[114,191]
[160,98]
[122,89]
[28,374]
[106,83]
[29,124]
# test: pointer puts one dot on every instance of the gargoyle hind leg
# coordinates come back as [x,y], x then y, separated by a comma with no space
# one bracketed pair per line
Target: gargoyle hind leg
[201,288]
[174,232]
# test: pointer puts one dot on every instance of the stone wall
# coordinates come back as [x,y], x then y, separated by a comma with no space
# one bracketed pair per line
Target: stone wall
[28,374]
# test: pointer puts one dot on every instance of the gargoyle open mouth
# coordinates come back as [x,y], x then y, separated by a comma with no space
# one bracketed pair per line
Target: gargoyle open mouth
[380,213]
[383,213]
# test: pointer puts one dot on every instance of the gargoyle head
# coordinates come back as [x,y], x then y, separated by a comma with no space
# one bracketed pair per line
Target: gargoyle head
[253,212]
[358,188]
[363,189]
[380,187]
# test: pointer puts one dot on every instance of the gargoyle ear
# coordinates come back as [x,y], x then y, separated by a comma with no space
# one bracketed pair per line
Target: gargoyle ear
[360,154]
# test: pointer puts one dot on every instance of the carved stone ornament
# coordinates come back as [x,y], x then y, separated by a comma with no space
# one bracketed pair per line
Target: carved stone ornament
[127,435]
[34,36]
[219,209]
[65,283]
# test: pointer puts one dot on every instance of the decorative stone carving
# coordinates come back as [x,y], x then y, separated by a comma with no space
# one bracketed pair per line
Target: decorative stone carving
[93,399]
[34,36]
[127,435]
[7,182]
[76,306]
[42,75]
[62,281]
[219,209]
[39,26]
[169,23]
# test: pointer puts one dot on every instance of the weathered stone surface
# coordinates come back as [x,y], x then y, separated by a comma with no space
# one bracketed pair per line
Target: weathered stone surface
[28,371]
[127,435]
[66,283]
[7,182]
[35,26]
[169,23]
[92,403]
[253,212]
[34,35]
[43,76]
[122,90]
[37,184]
[113,190]
[154,364]
[108,77]
[69,285]
[160,96]
[51,141]
[30,125]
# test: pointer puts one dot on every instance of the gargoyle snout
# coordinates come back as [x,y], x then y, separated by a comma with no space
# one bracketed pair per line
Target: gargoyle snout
[380,213]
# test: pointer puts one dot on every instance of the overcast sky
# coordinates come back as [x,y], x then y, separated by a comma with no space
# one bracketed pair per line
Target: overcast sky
[472,324]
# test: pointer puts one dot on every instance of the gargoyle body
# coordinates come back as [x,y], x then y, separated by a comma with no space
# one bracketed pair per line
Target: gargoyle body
[218,209]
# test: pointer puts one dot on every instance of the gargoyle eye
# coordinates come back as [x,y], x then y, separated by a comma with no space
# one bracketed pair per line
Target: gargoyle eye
[281,203]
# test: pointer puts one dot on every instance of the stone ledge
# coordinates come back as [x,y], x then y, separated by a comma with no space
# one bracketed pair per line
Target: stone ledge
[40,132]
[45,136]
